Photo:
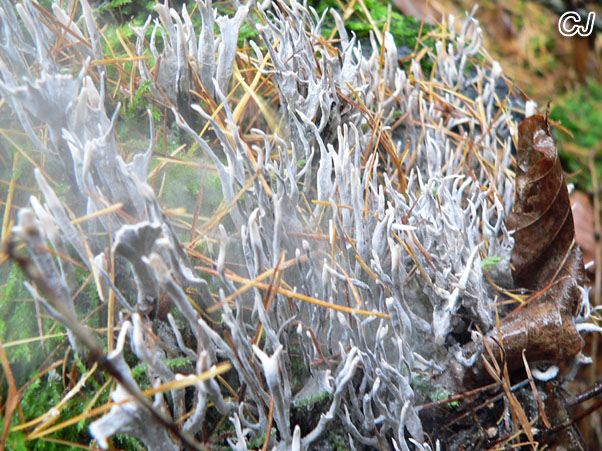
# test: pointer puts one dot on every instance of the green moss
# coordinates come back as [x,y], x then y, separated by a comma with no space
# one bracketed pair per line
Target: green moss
[337,440]
[299,372]
[18,322]
[490,262]
[127,9]
[15,440]
[114,4]
[182,185]
[404,29]
[310,401]
[433,393]
[127,442]
[139,372]
[256,442]
[88,300]
[580,111]
[139,102]
[247,32]
[43,394]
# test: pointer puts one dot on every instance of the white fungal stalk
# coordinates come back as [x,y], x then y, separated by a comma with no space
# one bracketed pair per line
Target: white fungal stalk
[349,258]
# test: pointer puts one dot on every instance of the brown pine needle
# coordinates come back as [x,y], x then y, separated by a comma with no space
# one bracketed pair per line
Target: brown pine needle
[70,444]
[268,431]
[192,164]
[13,397]
[298,296]
[251,283]
[540,405]
[25,341]
[9,201]
[107,61]
[274,285]
[162,164]
[24,154]
[102,212]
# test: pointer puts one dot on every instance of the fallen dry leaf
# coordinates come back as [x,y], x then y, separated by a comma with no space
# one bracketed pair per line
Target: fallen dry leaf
[545,258]
[544,253]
